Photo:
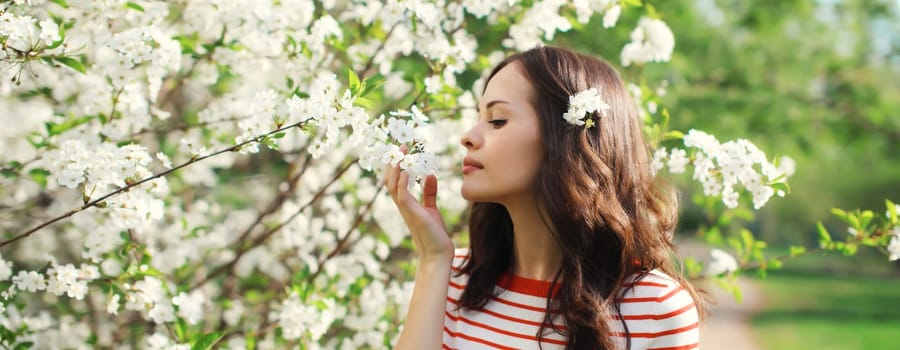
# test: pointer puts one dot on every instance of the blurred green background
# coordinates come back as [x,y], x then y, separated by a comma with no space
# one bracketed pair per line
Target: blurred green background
[818,81]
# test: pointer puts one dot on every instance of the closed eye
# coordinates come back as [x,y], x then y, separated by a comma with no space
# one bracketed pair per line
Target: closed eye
[497,122]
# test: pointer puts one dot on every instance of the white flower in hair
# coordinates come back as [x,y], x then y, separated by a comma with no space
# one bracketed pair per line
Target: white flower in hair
[582,103]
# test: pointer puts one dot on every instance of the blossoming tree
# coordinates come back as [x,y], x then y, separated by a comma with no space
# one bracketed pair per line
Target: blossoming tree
[183,174]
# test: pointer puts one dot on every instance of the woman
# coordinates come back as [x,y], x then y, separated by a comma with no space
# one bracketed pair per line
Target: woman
[570,232]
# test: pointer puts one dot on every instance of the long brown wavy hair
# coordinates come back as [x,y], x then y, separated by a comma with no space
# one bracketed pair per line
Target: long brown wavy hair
[611,217]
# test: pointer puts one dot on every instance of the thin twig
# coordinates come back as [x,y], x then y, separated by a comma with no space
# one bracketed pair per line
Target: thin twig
[97,201]
[346,236]
[268,233]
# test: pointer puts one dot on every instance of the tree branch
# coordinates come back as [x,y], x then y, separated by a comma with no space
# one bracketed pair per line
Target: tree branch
[97,201]
[268,233]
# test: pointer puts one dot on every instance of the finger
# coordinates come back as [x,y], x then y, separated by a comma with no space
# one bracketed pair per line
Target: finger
[429,192]
[387,178]
[403,186]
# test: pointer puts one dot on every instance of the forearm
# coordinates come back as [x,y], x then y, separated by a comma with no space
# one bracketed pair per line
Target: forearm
[424,327]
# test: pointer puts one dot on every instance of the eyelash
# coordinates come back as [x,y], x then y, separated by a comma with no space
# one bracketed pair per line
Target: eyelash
[497,122]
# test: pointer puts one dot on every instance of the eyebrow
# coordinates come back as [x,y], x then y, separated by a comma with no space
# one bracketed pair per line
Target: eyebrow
[491,104]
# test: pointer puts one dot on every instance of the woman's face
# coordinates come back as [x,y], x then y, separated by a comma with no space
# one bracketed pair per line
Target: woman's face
[505,142]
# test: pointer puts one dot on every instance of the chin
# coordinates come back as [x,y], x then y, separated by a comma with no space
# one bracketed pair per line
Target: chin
[471,195]
[474,195]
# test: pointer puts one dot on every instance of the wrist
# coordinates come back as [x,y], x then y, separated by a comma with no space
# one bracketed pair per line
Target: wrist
[436,262]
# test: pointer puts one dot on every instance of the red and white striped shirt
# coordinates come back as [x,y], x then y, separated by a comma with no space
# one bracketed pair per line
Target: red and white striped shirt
[659,313]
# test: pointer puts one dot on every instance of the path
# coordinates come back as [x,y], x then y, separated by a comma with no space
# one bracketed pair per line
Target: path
[726,326]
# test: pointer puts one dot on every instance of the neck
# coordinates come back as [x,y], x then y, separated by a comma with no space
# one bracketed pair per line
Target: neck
[537,254]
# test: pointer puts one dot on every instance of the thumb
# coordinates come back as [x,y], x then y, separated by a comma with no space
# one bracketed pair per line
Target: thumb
[429,192]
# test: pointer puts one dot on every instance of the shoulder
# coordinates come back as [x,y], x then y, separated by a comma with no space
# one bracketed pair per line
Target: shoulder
[656,286]
[659,293]
[458,280]
[661,311]
[459,258]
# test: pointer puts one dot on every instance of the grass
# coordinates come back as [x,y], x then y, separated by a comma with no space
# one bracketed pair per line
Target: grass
[803,310]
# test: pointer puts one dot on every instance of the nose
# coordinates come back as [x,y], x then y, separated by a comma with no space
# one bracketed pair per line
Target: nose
[470,139]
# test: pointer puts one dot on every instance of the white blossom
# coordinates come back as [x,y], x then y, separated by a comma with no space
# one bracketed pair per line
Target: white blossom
[659,157]
[433,84]
[721,262]
[5,269]
[112,306]
[190,306]
[298,319]
[30,281]
[893,247]
[611,16]
[49,31]
[164,159]
[677,161]
[584,102]
[651,41]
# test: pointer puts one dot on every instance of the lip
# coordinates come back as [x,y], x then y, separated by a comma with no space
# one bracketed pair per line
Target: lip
[470,165]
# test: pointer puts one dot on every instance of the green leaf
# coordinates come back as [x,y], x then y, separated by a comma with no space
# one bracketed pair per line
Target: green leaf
[7,334]
[665,118]
[72,63]
[797,250]
[181,328]
[24,345]
[278,135]
[207,341]
[848,218]
[850,249]
[354,81]
[867,214]
[626,3]
[651,12]
[61,3]
[673,135]
[56,129]
[747,238]
[40,176]
[134,6]
[188,43]
[692,268]
[853,220]
[250,339]
[839,213]
[364,103]
[823,233]
[371,83]
[781,186]
[892,211]
[36,140]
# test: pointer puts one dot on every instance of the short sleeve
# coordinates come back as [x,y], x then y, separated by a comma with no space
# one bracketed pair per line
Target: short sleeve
[661,315]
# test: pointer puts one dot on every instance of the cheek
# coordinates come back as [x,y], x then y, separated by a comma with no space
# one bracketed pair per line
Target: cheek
[522,161]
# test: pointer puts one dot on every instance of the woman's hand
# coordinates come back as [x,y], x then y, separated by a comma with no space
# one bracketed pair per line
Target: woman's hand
[424,327]
[424,220]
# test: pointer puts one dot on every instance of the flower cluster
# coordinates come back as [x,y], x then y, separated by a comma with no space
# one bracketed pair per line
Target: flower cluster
[720,262]
[403,127]
[299,318]
[720,167]
[582,105]
[21,34]
[651,41]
